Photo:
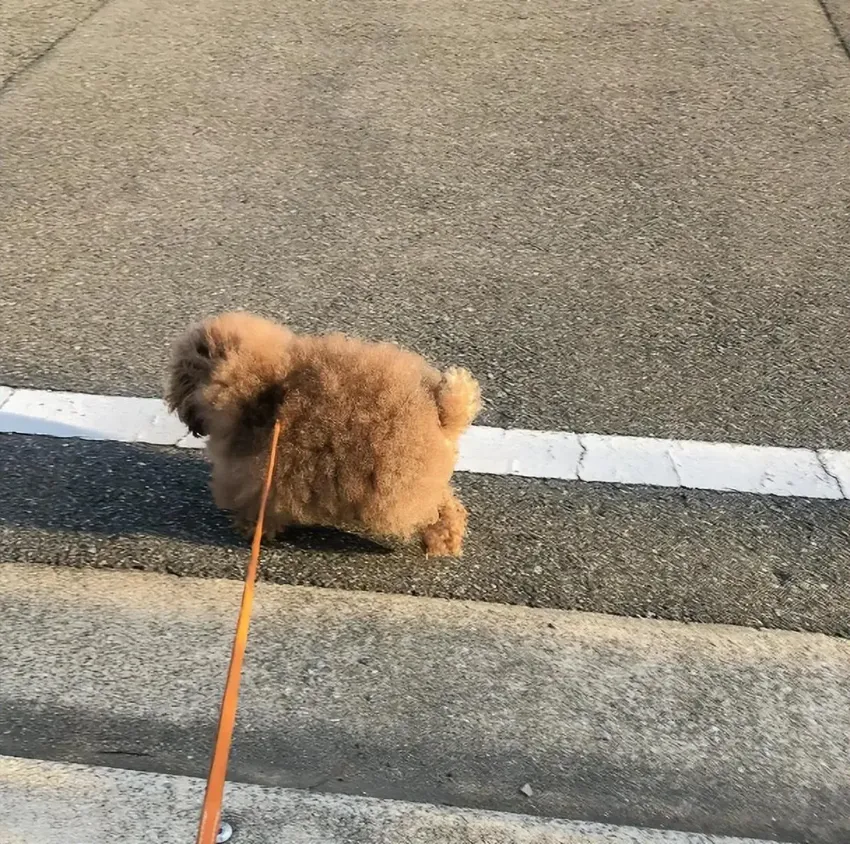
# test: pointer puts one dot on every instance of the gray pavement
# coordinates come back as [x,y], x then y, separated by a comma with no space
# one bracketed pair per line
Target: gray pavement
[51,803]
[715,730]
[692,556]
[626,218]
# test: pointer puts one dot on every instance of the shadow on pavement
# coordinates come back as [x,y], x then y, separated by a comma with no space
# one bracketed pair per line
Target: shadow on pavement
[118,489]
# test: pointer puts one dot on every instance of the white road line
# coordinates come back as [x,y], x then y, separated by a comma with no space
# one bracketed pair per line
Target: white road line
[726,467]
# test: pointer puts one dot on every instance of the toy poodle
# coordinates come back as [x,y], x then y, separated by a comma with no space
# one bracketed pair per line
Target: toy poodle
[369,431]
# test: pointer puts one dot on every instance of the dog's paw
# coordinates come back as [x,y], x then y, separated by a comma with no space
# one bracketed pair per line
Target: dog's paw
[441,545]
[444,538]
[244,526]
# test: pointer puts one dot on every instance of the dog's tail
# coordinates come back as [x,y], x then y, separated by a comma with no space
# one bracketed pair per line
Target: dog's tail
[458,400]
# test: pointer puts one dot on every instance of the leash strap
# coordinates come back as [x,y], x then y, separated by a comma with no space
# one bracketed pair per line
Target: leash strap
[211,812]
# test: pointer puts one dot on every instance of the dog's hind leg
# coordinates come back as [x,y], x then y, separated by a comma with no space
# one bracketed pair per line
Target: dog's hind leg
[444,538]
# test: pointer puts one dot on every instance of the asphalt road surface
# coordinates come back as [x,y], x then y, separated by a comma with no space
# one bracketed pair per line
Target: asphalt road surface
[689,556]
[626,218]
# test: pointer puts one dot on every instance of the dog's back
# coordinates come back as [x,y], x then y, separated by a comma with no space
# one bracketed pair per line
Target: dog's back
[363,440]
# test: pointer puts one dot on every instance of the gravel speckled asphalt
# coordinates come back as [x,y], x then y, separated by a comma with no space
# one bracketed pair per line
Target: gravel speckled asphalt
[740,559]
[629,219]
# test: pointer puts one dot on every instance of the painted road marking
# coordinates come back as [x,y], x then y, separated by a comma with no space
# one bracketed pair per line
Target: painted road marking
[562,455]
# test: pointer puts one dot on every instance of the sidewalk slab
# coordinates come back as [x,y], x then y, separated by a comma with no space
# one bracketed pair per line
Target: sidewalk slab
[711,730]
[52,803]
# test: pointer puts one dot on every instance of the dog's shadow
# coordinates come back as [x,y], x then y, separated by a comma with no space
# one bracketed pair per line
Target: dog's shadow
[119,489]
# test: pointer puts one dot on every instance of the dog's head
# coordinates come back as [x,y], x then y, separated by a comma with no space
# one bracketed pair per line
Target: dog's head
[228,371]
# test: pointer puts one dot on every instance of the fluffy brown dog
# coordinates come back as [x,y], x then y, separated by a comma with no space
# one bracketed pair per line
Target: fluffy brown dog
[369,431]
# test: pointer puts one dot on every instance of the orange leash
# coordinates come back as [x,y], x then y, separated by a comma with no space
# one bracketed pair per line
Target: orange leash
[211,812]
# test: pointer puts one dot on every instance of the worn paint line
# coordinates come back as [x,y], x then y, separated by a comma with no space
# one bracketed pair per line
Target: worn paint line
[556,455]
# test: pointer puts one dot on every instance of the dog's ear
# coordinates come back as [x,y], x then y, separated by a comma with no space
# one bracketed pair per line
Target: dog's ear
[227,374]
[260,410]
[256,413]
[191,365]
[244,395]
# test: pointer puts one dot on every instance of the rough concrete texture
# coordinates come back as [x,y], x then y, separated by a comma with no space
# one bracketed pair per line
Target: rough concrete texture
[626,217]
[51,803]
[714,730]
[714,557]
[30,28]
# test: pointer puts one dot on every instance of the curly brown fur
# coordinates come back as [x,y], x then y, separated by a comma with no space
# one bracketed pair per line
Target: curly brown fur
[369,431]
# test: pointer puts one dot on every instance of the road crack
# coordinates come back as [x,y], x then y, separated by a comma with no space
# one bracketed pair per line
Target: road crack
[823,464]
[13,77]
[582,455]
[842,39]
